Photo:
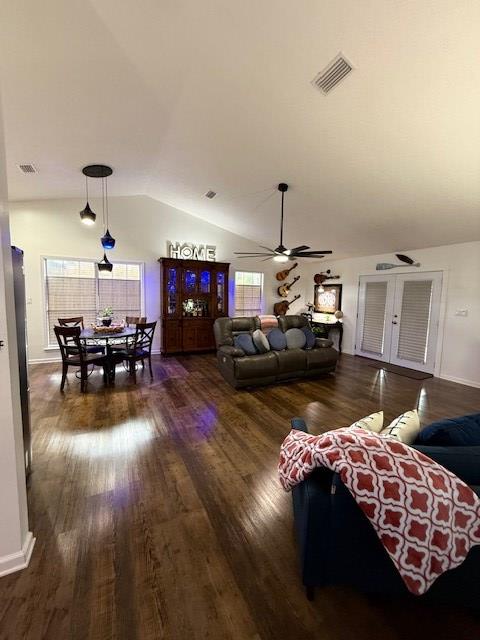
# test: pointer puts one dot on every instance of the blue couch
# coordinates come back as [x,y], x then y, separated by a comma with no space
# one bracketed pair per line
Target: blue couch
[338,545]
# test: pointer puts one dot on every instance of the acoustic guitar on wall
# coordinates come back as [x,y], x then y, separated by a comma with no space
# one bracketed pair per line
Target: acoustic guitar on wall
[282,275]
[281,308]
[284,289]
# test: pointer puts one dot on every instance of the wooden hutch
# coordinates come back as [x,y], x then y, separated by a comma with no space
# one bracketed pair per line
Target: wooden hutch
[193,294]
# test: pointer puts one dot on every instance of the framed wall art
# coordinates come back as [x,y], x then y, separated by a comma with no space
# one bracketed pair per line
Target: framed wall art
[327,298]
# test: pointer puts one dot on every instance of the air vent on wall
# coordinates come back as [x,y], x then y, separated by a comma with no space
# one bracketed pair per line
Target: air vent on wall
[333,73]
[210,194]
[27,168]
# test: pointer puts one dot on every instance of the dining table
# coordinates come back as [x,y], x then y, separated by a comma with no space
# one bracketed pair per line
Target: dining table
[109,339]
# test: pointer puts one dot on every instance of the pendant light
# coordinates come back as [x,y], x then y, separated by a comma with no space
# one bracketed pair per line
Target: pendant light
[108,242]
[87,216]
[104,264]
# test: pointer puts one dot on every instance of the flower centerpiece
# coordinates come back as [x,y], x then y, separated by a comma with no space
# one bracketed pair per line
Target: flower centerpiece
[106,316]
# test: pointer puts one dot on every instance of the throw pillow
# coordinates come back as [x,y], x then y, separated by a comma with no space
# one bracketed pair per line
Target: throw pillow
[463,431]
[245,341]
[277,340]
[373,422]
[296,339]
[310,336]
[405,428]
[260,341]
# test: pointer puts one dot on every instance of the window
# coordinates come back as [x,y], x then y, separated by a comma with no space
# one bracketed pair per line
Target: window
[76,288]
[248,293]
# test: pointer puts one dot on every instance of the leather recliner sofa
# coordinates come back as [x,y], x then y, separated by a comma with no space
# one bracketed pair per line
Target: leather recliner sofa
[241,370]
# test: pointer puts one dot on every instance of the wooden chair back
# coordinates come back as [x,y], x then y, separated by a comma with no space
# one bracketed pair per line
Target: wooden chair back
[144,337]
[68,339]
[135,320]
[71,322]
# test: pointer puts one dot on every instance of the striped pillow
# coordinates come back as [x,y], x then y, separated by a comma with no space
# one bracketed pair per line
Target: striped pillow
[267,323]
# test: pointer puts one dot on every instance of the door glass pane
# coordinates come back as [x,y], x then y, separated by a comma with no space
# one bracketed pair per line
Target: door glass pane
[220,292]
[205,282]
[172,292]
[415,320]
[374,320]
[190,281]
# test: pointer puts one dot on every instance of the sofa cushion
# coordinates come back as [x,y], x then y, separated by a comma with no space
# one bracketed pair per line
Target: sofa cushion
[291,360]
[245,341]
[320,358]
[258,366]
[260,341]
[453,432]
[464,462]
[277,340]
[296,339]
[373,422]
[310,337]
[405,428]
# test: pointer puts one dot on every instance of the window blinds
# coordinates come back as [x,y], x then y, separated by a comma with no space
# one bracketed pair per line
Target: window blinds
[415,320]
[76,288]
[248,293]
[374,318]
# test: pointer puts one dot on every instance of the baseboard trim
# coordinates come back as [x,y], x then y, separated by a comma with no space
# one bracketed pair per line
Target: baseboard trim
[468,383]
[20,560]
[155,352]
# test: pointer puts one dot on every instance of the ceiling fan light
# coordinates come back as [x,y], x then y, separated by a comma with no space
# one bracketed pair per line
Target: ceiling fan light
[87,216]
[281,258]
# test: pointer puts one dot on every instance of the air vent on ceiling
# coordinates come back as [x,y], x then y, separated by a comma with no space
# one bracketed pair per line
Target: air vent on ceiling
[210,194]
[27,168]
[333,73]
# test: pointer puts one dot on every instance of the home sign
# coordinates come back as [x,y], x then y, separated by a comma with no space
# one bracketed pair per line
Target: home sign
[190,251]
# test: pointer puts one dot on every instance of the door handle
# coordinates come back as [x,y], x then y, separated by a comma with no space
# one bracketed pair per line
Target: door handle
[394,322]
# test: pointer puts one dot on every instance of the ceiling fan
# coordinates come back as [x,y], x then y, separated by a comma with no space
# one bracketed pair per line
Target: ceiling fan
[281,253]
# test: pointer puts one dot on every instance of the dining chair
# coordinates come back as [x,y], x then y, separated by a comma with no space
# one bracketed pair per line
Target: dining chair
[78,322]
[139,349]
[121,345]
[74,354]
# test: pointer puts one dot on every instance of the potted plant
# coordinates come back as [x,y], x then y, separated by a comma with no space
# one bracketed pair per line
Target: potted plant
[106,316]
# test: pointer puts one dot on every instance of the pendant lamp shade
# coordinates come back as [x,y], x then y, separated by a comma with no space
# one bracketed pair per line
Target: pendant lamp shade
[107,241]
[105,264]
[88,216]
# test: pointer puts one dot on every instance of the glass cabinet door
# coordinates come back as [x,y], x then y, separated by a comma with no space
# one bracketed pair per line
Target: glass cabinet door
[205,280]
[172,291]
[189,281]
[221,293]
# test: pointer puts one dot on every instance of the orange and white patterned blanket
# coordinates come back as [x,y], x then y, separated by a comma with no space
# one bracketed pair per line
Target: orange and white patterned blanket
[426,518]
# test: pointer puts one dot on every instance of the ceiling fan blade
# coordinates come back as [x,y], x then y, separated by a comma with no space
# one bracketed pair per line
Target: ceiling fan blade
[309,253]
[258,255]
[404,258]
[302,247]
[252,253]
[268,249]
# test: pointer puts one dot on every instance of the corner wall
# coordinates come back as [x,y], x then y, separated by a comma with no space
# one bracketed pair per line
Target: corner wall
[458,352]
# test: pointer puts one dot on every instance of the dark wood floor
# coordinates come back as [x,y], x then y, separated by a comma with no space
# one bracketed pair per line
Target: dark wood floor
[158,513]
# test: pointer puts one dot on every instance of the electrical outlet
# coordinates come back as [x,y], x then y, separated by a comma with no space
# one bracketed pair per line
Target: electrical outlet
[461,312]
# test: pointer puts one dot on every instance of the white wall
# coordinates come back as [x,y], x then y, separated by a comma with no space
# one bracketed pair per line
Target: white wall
[141,227]
[16,542]
[458,353]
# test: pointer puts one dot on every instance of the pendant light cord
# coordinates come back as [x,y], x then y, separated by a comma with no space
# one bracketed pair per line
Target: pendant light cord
[86,185]
[281,222]
[106,197]
[103,204]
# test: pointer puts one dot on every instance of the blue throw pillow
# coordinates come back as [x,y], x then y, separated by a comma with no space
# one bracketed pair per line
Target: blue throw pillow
[311,337]
[452,432]
[277,340]
[245,341]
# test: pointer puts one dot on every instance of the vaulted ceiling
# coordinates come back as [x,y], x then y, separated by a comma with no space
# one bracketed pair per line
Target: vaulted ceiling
[182,96]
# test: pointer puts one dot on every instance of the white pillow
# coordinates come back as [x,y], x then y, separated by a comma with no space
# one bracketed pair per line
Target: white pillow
[405,428]
[373,422]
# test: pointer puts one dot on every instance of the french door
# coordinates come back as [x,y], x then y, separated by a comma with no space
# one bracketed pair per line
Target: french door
[397,318]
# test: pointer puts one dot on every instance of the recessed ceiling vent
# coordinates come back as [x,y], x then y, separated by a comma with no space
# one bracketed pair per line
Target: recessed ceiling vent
[210,194]
[333,73]
[27,168]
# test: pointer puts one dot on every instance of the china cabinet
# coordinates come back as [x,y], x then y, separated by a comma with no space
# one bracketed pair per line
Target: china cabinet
[193,293]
